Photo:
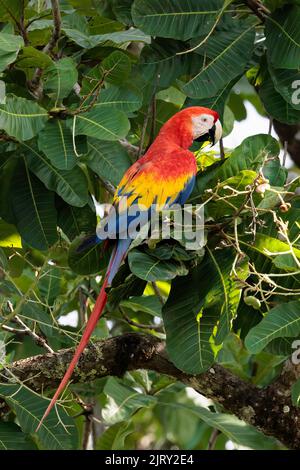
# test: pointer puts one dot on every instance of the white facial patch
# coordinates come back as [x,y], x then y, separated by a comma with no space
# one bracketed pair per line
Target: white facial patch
[202,124]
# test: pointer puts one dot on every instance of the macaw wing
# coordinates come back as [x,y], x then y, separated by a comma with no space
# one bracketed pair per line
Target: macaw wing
[144,188]
[146,185]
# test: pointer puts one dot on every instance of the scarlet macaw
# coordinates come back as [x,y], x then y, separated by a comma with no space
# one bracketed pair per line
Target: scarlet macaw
[165,175]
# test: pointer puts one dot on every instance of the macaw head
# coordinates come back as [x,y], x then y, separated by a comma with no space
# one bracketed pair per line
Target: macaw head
[194,124]
[206,126]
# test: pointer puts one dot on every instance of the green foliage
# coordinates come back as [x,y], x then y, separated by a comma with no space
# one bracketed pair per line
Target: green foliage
[73,114]
[281,321]
[21,118]
[9,48]
[29,409]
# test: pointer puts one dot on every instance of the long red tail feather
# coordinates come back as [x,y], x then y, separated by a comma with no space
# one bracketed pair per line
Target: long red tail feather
[116,259]
[91,324]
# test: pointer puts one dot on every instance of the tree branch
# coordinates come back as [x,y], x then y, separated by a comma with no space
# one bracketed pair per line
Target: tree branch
[57,27]
[25,330]
[269,409]
[258,9]
[132,150]
[34,83]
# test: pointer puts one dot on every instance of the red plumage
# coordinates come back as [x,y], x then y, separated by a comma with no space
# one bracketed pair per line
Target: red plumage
[160,176]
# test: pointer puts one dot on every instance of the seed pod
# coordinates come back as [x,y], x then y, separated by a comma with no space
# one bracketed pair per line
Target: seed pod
[262,188]
[285,207]
[252,302]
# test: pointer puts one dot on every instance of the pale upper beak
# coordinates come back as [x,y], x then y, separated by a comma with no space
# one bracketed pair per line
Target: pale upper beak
[217,133]
[213,135]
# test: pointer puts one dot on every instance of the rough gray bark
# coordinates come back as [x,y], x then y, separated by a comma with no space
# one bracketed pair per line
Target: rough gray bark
[269,409]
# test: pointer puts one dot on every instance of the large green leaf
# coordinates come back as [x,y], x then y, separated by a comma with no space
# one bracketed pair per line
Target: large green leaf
[235,429]
[70,185]
[31,57]
[127,98]
[271,246]
[162,62]
[276,105]
[35,314]
[34,210]
[10,10]
[283,37]
[149,268]
[2,92]
[29,408]
[102,25]
[55,140]
[9,49]
[116,68]
[226,290]
[195,304]
[114,437]
[216,102]
[286,83]
[123,401]
[12,438]
[83,39]
[22,118]
[148,304]
[124,286]
[249,155]
[49,284]
[174,18]
[122,11]
[75,220]
[109,160]
[229,52]
[281,321]
[102,123]
[87,261]
[9,236]
[60,78]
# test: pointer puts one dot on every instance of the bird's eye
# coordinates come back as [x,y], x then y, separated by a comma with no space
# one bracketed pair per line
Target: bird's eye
[204,119]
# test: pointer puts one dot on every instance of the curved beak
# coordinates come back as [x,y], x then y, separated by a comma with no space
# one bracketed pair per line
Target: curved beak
[217,132]
[213,135]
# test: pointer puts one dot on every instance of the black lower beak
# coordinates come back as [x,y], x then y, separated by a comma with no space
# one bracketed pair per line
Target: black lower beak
[212,134]
[209,136]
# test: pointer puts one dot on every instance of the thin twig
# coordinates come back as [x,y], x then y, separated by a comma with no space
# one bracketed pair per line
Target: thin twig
[22,27]
[153,123]
[15,331]
[57,27]
[94,93]
[144,129]
[132,150]
[157,292]
[151,112]
[87,430]
[213,439]
[260,10]
[222,150]
[34,83]
[138,325]
[270,126]
[26,330]
[110,188]
[285,151]
[82,307]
